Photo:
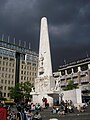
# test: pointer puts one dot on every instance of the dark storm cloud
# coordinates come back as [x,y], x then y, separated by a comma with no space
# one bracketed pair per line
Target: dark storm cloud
[69,25]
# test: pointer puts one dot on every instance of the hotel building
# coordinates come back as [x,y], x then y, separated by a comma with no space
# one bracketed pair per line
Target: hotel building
[79,72]
[17,65]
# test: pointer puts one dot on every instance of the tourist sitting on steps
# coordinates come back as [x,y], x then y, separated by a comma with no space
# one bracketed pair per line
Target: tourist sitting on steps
[37,116]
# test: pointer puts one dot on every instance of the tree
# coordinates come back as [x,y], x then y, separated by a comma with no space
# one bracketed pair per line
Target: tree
[16,92]
[20,91]
[70,86]
[26,88]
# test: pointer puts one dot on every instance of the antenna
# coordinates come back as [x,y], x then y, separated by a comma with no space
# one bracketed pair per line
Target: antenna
[19,42]
[8,38]
[24,43]
[29,45]
[14,40]
[2,37]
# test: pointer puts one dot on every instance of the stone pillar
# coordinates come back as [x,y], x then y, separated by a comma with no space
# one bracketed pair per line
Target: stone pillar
[65,76]
[65,72]
[60,73]
[72,70]
[79,78]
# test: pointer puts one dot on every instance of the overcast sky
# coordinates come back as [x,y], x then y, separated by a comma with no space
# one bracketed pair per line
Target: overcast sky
[69,26]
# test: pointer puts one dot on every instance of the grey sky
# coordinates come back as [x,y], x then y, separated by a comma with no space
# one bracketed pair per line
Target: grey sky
[69,26]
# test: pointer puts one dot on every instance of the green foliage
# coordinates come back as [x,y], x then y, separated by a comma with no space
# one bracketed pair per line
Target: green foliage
[16,92]
[26,88]
[70,86]
[20,91]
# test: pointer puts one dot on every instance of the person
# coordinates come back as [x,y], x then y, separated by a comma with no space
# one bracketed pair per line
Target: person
[21,115]
[80,109]
[29,115]
[37,116]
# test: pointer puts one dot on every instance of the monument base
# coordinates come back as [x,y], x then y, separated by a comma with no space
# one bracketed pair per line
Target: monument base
[50,96]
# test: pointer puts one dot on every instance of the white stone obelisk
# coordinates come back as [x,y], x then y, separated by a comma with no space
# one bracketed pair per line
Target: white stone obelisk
[44,83]
[45,66]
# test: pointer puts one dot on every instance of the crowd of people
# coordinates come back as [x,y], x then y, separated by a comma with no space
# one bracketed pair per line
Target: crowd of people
[23,111]
[30,111]
[67,107]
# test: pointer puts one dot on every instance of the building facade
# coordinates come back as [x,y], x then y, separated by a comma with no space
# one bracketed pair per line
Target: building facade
[17,65]
[79,72]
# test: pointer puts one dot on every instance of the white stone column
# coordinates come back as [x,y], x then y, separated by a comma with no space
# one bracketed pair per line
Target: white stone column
[60,73]
[79,69]
[79,78]
[72,70]
[65,72]
[89,66]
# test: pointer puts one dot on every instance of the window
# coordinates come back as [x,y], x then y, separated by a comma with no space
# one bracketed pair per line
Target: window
[69,71]
[3,63]
[63,72]
[6,69]
[24,72]
[2,74]
[24,78]
[5,88]
[9,69]
[6,63]
[1,87]
[12,70]
[84,67]
[8,94]
[27,67]
[12,82]
[9,64]
[9,76]
[27,73]
[1,81]
[13,64]
[9,82]
[75,69]
[21,77]
[5,75]
[12,76]
[4,94]
[22,66]
[3,69]
[5,81]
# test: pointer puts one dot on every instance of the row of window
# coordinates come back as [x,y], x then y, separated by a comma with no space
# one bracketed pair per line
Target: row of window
[75,69]
[5,94]
[5,88]
[7,75]
[7,58]
[7,82]
[27,78]
[7,63]
[28,67]
[7,69]
[28,73]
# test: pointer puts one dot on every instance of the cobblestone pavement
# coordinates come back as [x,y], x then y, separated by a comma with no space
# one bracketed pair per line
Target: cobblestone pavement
[47,114]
